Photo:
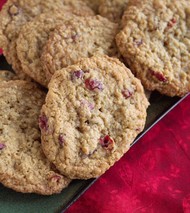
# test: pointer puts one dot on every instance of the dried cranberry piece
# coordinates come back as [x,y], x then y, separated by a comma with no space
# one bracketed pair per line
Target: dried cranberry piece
[75,37]
[93,84]
[2,146]
[61,139]
[127,93]
[138,42]
[139,129]
[78,74]
[158,75]
[106,142]
[55,178]
[43,122]
[172,22]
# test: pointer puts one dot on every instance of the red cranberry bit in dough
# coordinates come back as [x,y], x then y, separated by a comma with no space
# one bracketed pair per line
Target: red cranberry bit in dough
[43,122]
[55,178]
[75,37]
[78,74]
[127,93]
[172,22]
[61,140]
[93,84]
[106,142]
[138,42]
[139,129]
[2,146]
[158,75]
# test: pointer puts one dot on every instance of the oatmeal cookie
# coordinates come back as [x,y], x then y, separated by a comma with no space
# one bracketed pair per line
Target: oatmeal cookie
[155,43]
[93,112]
[32,39]
[16,13]
[23,165]
[78,39]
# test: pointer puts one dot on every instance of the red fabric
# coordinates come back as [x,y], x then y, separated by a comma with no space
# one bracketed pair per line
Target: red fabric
[153,177]
[1,4]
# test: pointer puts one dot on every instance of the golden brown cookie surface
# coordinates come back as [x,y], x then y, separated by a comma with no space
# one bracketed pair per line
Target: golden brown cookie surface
[112,9]
[34,36]
[23,166]
[155,43]
[81,38]
[93,112]
[16,13]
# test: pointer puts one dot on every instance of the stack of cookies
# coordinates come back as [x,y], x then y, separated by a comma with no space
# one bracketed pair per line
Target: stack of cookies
[76,100]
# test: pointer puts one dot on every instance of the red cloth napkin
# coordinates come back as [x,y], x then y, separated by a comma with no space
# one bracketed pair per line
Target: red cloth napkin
[2,3]
[153,177]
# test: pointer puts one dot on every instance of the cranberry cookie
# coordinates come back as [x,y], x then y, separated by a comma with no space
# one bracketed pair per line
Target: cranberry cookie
[33,37]
[93,112]
[23,165]
[78,39]
[155,43]
[16,13]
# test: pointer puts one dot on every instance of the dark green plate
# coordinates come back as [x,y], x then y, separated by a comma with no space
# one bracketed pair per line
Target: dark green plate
[11,202]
